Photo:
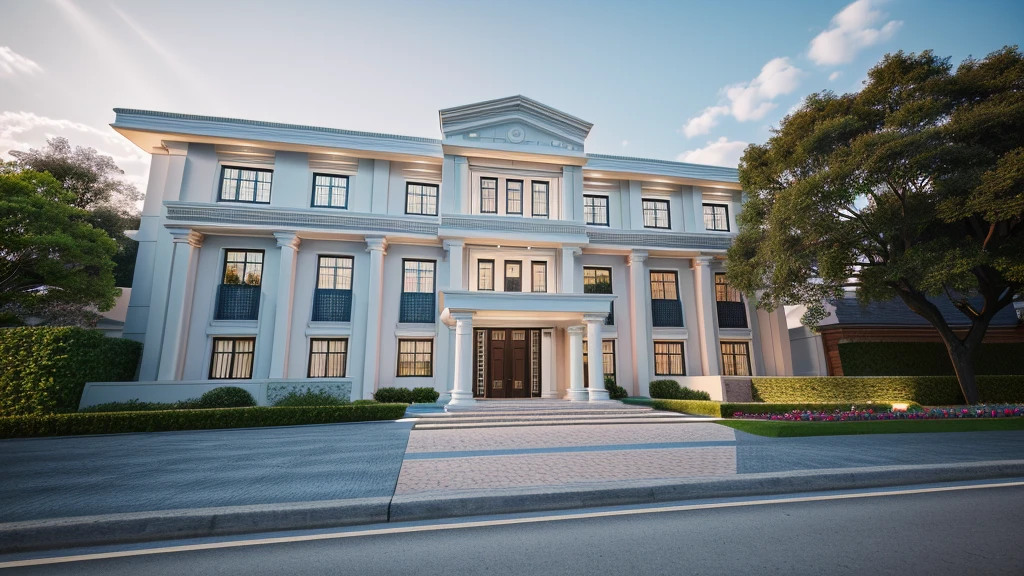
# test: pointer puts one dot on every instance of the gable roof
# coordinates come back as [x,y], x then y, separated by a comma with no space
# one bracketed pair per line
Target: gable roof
[469,116]
[849,311]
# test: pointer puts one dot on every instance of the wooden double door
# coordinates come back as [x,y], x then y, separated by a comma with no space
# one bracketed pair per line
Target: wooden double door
[510,356]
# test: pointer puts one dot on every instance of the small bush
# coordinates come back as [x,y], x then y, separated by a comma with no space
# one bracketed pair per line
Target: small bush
[310,398]
[615,392]
[402,395]
[424,395]
[671,390]
[227,397]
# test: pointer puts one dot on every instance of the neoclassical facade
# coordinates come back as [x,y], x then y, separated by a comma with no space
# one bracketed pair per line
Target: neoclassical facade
[501,261]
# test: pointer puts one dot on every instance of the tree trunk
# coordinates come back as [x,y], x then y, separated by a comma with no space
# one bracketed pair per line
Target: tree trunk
[963,364]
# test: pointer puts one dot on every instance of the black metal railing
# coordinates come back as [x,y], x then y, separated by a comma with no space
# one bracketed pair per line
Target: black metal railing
[732,315]
[417,307]
[610,320]
[238,302]
[667,313]
[331,305]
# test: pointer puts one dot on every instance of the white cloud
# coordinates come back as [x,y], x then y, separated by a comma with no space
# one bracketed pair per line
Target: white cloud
[834,76]
[625,143]
[705,122]
[12,64]
[721,152]
[749,100]
[852,30]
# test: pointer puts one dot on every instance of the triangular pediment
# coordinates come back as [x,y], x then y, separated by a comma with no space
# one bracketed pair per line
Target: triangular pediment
[516,121]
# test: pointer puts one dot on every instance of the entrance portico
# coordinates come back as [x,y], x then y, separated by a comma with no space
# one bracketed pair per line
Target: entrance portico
[488,326]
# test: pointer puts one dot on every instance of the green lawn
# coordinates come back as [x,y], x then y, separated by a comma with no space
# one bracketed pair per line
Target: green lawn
[793,429]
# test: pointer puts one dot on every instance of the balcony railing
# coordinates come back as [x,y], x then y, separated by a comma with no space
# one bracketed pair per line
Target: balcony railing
[417,307]
[238,302]
[331,305]
[732,315]
[667,313]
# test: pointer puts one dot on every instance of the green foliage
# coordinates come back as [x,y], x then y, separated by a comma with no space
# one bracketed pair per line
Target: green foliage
[615,392]
[925,390]
[697,407]
[160,421]
[670,389]
[364,402]
[227,397]
[731,408]
[310,398]
[800,429]
[924,359]
[135,405]
[406,396]
[44,370]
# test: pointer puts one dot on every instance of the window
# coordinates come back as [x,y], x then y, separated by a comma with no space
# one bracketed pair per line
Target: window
[607,360]
[716,217]
[415,357]
[513,196]
[488,195]
[328,357]
[245,185]
[243,267]
[724,292]
[666,309]
[663,286]
[735,359]
[656,214]
[540,199]
[419,276]
[513,276]
[417,303]
[232,358]
[540,276]
[485,275]
[421,199]
[334,272]
[668,359]
[595,210]
[330,191]
[597,280]
[332,299]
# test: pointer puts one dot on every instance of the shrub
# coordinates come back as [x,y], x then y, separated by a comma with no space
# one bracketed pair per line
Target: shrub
[926,390]
[310,397]
[698,407]
[424,395]
[136,406]
[364,402]
[167,420]
[403,395]
[730,408]
[615,392]
[924,359]
[227,397]
[45,369]
[671,390]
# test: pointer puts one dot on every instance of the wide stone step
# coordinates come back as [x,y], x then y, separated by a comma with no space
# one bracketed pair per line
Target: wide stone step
[540,417]
[502,423]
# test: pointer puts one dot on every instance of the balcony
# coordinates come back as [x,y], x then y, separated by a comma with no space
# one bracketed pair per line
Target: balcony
[732,315]
[331,305]
[238,302]
[666,313]
[417,307]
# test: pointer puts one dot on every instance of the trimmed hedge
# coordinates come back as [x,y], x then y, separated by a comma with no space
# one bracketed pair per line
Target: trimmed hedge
[222,397]
[310,398]
[698,407]
[422,395]
[924,359]
[45,369]
[926,390]
[670,389]
[728,409]
[163,421]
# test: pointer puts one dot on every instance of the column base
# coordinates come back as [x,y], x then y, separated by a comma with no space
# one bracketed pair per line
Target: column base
[552,394]
[580,395]
[460,401]
[599,395]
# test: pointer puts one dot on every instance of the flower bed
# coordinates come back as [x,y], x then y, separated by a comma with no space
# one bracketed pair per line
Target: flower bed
[994,411]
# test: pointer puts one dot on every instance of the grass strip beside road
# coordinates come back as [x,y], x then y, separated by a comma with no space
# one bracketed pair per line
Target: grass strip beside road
[779,429]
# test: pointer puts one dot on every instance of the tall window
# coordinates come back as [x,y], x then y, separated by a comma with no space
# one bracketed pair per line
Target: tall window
[607,360]
[513,276]
[330,191]
[232,358]
[595,210]
[663,286]
[656,214]
[666,309]
[419,276]
[243,267]
[415,357]
[334,272]
[716,217]
[421,199]
[513,196]
[599,281]
[735,359]
[245,185]
[488,195]
[328,357]
[332,299]
[485,275]
[540,199]
[724,292]
[539,277]
[668,359]
[417,303]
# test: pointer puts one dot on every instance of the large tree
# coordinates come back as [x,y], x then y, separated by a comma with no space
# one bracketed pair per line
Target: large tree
[911,188]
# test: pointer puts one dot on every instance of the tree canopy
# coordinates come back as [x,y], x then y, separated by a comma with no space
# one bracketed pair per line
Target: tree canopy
[912,187]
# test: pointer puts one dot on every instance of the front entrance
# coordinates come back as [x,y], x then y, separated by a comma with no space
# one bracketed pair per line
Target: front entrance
[508,363]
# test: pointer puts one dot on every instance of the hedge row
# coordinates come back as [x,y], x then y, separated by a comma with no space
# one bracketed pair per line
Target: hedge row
[924,359]
[697,407]
[926,390]
[728,409]
[44,370]
[163,421]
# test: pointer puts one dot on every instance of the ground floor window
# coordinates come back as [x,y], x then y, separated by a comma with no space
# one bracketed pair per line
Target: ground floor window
[232,358]
[607,360]
[735,359]
[415,357]
[668,359]
[328,357]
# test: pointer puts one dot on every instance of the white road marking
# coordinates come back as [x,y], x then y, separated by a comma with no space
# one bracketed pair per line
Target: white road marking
[484,523]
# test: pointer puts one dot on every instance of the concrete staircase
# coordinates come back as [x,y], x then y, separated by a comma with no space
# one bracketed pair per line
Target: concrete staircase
[545,412]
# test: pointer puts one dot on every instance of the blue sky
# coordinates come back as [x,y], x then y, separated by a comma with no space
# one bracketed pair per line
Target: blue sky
[685,80]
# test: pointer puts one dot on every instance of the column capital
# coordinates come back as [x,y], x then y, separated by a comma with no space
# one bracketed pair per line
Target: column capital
[453,243]
[574,250]
[186,235]
[461,316]
[287,240]
[579,329]
[377,243]
[636,257]
[702,261]
[594,318]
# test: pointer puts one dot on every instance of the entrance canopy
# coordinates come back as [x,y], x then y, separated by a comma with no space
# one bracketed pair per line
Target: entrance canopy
[522,308]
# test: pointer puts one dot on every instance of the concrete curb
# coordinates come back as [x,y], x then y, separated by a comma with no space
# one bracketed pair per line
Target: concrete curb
[206,522]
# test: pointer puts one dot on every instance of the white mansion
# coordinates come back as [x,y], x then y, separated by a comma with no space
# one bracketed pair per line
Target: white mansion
[489,264]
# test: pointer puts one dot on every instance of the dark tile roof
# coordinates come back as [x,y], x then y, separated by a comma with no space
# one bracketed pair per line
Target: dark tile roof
[896,313]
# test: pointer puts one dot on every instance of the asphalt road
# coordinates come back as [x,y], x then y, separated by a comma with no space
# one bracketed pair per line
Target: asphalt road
[975,531]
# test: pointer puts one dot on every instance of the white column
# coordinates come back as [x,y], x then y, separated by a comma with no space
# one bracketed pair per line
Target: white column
[576,390]
[179,301]
[377,247]
[640,323]
[568,278]
[707,326]
[462,388]
[548,383]
[595,359]
[288,242]
[446,334]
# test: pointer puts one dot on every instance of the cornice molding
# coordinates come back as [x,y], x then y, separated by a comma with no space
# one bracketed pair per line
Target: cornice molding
[296,218]
[650,239]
